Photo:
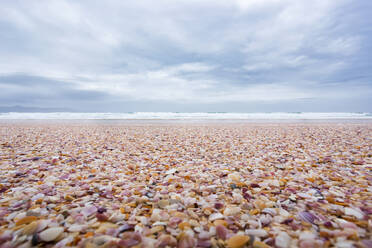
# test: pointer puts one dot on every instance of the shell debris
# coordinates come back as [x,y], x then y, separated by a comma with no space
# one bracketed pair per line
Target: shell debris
[186,185]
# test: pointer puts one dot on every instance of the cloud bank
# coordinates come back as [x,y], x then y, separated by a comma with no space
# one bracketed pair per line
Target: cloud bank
[287,55]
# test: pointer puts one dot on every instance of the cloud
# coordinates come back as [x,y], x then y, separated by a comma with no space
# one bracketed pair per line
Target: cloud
[36,91]
[189,52]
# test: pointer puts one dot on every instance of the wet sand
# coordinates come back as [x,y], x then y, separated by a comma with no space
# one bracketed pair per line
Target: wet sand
[182,184]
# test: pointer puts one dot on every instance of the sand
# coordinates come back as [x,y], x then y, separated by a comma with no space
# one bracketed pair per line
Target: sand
[185,185]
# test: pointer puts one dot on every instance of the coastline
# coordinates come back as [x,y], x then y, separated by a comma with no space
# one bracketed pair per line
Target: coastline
[185,121]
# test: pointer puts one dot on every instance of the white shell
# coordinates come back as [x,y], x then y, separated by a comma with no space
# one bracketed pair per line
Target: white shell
[51,234]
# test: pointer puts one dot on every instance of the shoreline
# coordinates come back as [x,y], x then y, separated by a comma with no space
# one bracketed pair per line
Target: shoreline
[192,121]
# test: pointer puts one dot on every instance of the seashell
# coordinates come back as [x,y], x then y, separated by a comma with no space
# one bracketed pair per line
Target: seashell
[184,225]
[204,235]
[130,239]
[354,212]
[173,221]
[105,226]
[287,221]
[308,217]
[304,195]
[235,177]
[221,232]
[125,227]
[64,242]
[156,229]
[220,222]
[265,219]
[89,210]
[26,220]
[215,216]
[230,211]
[171,171]
[237,241]
[367,242]
[256,232]
[166,240]
[271,211]
[282,240]
[160,223]
[163,203]
[51,234]
[188,185]
[308,243]
[76,228]
[307,235]
[218,205]
[155,216]
[42,224]
[30,228]
[101,210]
[259,244]
[186,241]
[346,224]
[101,217]
[204,243]
[342,243]
[100,241]
[259,204]
[116,217]
[33,213]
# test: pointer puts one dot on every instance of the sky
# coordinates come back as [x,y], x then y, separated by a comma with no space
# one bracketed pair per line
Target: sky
[187,55]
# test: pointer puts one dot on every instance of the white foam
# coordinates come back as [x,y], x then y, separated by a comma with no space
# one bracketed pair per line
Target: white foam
[182,116]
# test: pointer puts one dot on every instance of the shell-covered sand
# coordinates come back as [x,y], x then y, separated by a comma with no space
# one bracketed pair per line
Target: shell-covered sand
[185,185]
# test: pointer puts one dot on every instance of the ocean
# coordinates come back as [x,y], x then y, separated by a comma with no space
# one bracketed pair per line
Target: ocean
[186,116]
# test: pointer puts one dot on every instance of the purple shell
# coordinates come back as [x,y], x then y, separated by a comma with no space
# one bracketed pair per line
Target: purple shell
[367,243]
[218,205]
[204,243]
[125,227]
[89,210]
[221,232]
[308,217]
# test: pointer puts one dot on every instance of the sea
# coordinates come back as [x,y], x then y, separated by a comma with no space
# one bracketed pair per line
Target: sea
[188,116]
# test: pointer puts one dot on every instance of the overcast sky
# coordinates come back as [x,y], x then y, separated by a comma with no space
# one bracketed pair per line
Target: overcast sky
[186,55]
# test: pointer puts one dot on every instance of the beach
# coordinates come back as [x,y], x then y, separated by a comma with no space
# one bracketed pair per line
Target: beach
[185,184]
